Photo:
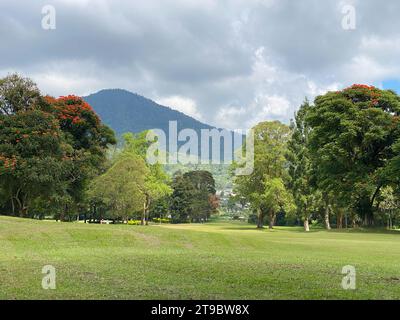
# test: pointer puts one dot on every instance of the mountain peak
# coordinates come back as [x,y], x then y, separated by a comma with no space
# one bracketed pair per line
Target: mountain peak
[125,111]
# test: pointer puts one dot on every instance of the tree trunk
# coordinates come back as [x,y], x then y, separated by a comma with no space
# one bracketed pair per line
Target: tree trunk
[339,219]
[271,220]
[147,210]
[13,206]
[146,206]
[260,220]
[327,224]
[306,225]
[144,214]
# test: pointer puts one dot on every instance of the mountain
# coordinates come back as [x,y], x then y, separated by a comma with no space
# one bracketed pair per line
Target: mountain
[125,111]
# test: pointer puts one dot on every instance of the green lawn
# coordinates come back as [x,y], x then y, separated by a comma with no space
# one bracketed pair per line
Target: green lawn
[210,261]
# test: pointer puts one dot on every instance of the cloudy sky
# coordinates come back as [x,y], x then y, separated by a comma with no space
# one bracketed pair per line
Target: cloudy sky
[227,63]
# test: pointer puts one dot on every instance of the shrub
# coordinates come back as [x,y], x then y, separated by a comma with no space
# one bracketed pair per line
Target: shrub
[134,222]
[162,220]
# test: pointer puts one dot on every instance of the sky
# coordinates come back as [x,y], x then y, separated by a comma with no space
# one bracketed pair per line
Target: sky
[228,63]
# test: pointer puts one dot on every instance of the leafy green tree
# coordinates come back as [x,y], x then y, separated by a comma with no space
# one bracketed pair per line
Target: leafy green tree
[32,162]
[181,199]
[49,148]
[157,182]
[352,141]
[160,208]
[88,138]
[121,187]
[18,94]
[302,183]
[275,198]
[389,204]
[194,197]
[270,149]
[204,191]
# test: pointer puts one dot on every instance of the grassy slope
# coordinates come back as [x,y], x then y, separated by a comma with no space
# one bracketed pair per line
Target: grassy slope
[212,261]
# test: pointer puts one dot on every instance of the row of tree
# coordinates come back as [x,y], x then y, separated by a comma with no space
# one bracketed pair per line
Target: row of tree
[57,159]
[132,188]
[340,155]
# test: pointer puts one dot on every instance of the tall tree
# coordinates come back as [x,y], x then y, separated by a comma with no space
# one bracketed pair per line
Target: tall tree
[302,182]
[49,148]
[157,182]
[32,158]
[88,137]
[121,187]
[194,197]
[352,139]
[270,149]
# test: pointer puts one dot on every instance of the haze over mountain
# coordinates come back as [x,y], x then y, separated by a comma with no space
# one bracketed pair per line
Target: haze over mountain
[125,111]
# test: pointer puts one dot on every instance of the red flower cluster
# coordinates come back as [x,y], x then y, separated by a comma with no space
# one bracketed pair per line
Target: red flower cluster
[361,86]
[372,91]
[70,109]
[8,164]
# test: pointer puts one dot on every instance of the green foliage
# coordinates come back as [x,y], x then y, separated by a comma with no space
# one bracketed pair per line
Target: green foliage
[306,195]
[32,158]
[352,143]
[18,94]
[156,185]
[270,172]
[49,148]
[193,198]
[121,188]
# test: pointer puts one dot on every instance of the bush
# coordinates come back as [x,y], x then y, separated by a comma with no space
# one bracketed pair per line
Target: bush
[162,220]
[134,222]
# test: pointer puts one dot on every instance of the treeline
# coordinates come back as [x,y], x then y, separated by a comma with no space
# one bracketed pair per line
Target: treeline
[339,157]
[57,160]
[132,188]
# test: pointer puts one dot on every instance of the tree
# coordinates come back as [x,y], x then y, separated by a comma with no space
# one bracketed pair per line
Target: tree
[32,158]
[88,137]
[180,203]
[121,187]
[302,182]
[49,148]
[351,142]
[275,198]
[18,94]
[203,191]
[194,196]
[389,204]
[270,149]
[157,182]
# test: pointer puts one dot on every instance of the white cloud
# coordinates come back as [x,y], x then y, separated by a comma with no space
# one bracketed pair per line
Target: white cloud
[229,63]
[182,104]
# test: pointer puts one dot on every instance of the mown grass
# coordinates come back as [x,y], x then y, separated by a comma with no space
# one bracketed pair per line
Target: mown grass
[208,261]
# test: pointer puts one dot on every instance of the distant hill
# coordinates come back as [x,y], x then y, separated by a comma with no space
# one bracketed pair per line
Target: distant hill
[125,111]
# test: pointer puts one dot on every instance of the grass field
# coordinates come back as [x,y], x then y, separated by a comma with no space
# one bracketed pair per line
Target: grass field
[209,261]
